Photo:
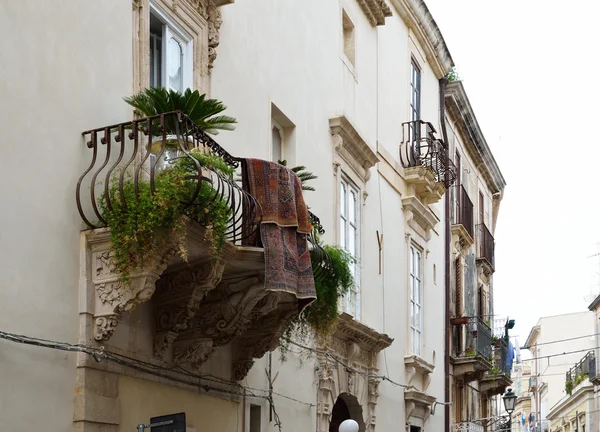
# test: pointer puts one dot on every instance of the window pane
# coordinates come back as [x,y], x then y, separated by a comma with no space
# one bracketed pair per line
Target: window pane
[343,234]
[174,68]
[352,207]
[418,266]
[276,145]
[352,241]
[342,199]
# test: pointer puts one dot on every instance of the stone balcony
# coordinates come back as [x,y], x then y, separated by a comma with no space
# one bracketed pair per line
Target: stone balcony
[427,169]
[195,302]
[472,362]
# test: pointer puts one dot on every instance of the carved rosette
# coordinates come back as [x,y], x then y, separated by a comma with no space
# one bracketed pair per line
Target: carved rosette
[113,296]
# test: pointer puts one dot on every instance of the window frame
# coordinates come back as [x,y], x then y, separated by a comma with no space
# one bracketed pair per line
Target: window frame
[276,125]
[172,29]
[415,90]
[352,300]
[416,344]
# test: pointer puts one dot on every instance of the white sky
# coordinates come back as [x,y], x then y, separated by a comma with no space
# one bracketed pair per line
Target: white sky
[530,68]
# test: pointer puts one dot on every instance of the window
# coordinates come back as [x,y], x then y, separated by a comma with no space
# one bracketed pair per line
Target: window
[171,63]
[416,313]
[350,239]
[277,151]
[348,33]
[415,91]
[255,417]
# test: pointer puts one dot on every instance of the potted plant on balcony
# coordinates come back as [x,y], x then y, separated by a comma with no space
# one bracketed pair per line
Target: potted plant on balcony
[205,113]
[147,223]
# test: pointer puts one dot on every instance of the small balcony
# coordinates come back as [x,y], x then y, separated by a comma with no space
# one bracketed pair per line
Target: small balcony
[427,167]
[475,359]
[583,372]
[485,249]
[462,225]
[205,280]
[495,381]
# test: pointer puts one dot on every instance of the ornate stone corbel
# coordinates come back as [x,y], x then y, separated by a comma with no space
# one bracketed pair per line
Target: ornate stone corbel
[411,371]
[214,24]
[193,352]
[178,298]
[113,296]
[410,407]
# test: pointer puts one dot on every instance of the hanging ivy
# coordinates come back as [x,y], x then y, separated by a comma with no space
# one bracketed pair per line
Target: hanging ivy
[147,227]
[320,317]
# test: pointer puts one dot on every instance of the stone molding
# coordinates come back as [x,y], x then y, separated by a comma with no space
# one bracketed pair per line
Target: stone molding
[418,216]
[418,404]
[417,17]
[376,11]
[461,112]
[352,147]
[422,179]
[356,346]
[414,366]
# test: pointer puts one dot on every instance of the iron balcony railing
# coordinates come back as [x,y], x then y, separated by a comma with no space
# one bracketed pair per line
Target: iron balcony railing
[467,427]
[132,153]
[485,244]
[479,339]
[463,213]
[421,147]
[585,368]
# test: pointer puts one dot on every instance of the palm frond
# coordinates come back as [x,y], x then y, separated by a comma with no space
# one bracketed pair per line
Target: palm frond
[204,112]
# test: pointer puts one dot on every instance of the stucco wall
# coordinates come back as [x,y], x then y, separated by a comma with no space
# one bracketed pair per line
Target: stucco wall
[141,400]
[64,65]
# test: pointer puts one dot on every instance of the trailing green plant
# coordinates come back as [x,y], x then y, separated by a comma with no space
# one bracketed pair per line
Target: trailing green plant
[495,371]
[320,317]
[204,112]
[581,376]
[569,387]
[146,227]
[453,75]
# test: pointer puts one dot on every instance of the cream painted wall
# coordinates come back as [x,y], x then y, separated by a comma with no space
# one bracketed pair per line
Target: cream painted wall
[305,75]
[64,66]
[141,400]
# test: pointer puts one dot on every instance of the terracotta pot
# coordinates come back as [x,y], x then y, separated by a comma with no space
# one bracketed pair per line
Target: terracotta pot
[459,320]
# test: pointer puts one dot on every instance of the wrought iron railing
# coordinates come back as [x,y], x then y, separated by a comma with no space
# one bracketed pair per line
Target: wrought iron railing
[585,368]
[479,339]
[467,427]
[139,150]
[485,244]
[501,355]
[421,147]
[463,214]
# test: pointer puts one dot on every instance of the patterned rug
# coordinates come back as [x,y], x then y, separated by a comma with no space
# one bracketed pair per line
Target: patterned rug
[284,229]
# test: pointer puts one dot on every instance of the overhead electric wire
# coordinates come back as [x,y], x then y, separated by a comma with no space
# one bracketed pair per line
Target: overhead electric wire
[561,340]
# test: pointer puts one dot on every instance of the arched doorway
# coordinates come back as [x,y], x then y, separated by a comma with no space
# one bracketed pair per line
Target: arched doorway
[346,407]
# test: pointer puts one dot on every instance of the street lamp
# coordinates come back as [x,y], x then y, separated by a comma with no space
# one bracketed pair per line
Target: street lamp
[509,399]
[348,426]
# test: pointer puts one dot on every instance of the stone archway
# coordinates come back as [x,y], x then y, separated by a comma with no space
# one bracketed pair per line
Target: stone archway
[346,407]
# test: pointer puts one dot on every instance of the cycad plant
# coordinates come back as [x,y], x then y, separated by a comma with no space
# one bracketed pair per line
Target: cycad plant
[202,111]
[304,175]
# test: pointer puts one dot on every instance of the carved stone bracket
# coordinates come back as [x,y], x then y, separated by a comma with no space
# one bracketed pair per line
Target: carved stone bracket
[178,299]
[416,366]
[263,333]
[376,11]
[113,296]
[418,216]
[418,404]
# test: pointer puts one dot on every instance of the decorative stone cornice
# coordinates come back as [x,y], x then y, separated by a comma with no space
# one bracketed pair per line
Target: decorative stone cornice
[352,147]
[418,404]
[376,11]
[418,18]
[461,112]
[414,366]
[418,216]
[366,337]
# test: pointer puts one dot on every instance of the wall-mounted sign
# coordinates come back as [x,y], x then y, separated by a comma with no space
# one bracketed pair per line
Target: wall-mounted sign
[178,424]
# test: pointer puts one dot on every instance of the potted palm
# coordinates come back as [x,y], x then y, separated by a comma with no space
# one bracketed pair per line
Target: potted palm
[205,113]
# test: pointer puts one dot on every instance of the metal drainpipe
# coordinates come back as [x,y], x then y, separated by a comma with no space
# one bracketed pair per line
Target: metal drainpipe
[447,239]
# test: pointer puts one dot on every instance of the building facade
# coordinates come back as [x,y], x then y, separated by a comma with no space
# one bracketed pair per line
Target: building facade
[557,344]
[354,91]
